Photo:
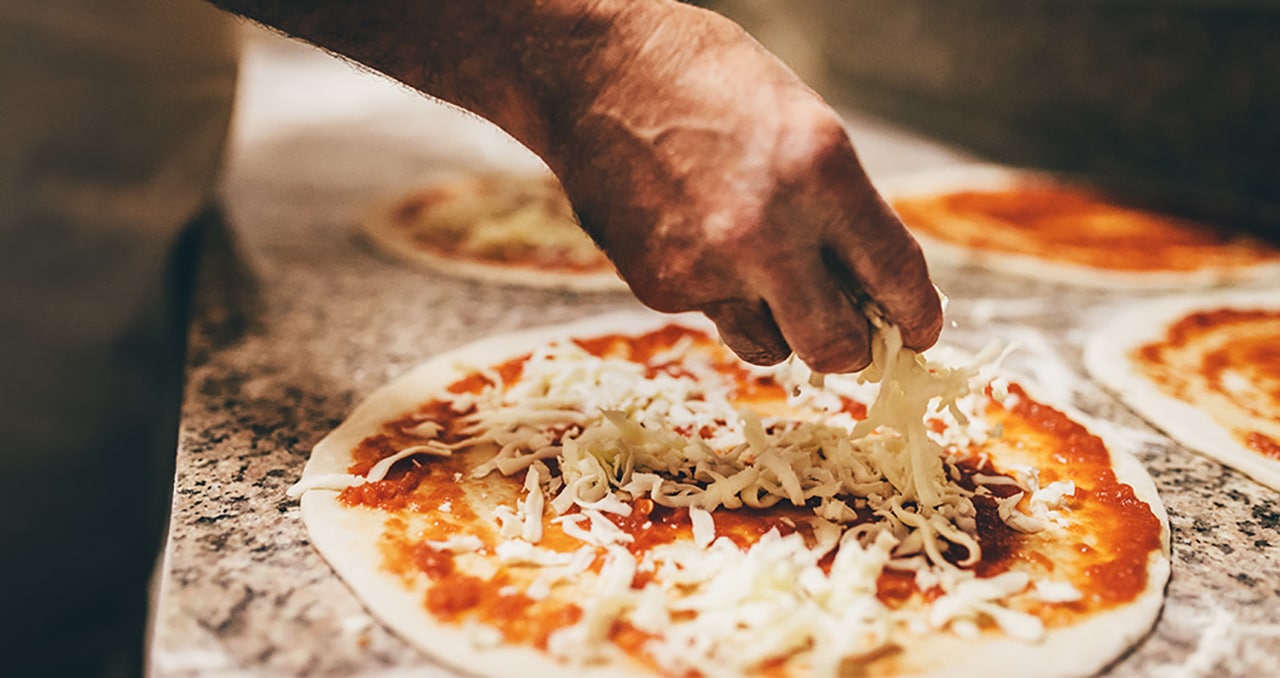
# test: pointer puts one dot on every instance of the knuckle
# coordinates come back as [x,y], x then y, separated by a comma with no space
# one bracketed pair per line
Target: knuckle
[816,140]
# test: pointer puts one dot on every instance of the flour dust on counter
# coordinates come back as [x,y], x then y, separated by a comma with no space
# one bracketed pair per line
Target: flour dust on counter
[1205,369]
[623,496]
[500,227]
[1069,231]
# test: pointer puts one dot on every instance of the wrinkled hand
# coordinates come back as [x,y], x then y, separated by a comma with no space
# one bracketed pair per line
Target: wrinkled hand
[710,174]
[717,181]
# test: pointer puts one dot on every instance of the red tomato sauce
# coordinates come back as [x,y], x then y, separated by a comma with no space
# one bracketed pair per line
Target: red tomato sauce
[1078,226]
[1126,532]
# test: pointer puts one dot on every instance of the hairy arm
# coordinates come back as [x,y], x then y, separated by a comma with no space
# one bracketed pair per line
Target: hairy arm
[525,66]
[713,177]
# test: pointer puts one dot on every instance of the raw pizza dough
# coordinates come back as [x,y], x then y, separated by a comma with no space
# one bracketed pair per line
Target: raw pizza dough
[975,215]
[502,228]
[357,539]
[1209,421]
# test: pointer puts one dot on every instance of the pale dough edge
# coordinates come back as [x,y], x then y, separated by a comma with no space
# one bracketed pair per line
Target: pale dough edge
[378,229]
[1106,359]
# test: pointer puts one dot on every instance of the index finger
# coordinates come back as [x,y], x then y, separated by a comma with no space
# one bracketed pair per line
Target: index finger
[883,263]
[866,247]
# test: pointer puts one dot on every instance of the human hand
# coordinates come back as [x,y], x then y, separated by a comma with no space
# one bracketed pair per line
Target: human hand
[713,177]
[717,181]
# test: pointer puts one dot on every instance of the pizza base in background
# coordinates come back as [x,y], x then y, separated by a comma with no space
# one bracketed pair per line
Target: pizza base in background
[1205,369]
[1038,226]
[499,228]
[424,547]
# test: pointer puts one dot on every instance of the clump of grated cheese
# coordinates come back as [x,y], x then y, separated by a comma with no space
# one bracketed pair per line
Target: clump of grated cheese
[886,493]
[507,218]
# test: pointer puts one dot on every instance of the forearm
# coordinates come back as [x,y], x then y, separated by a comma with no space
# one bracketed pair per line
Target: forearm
[530,66]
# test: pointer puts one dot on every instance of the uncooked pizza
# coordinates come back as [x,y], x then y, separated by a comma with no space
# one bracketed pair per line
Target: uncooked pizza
[1035,225]
[1205,369]
[501,228]
[622,496]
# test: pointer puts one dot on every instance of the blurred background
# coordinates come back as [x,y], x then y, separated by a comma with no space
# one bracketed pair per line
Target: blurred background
[1179,94]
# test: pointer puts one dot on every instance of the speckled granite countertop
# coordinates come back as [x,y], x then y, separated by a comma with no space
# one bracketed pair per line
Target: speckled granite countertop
[324,321]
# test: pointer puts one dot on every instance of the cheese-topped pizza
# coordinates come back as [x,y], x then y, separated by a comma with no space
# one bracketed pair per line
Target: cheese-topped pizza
[1036,225]
[503,228]
[622,496]
[1205,369]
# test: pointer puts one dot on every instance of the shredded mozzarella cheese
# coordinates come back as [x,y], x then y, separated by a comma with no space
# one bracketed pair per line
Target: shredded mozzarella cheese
[885,495]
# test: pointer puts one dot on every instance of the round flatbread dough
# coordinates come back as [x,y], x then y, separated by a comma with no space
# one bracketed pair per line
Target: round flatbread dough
[500,228]
[1205,369]
[441,501]
[1040,226]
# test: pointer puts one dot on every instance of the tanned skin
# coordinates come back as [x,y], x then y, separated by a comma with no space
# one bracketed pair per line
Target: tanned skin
[712,176]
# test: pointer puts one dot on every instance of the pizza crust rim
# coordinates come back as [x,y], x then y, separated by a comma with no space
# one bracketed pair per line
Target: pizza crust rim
[1132,325]
[991,176]
[377,226]
[336,532]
